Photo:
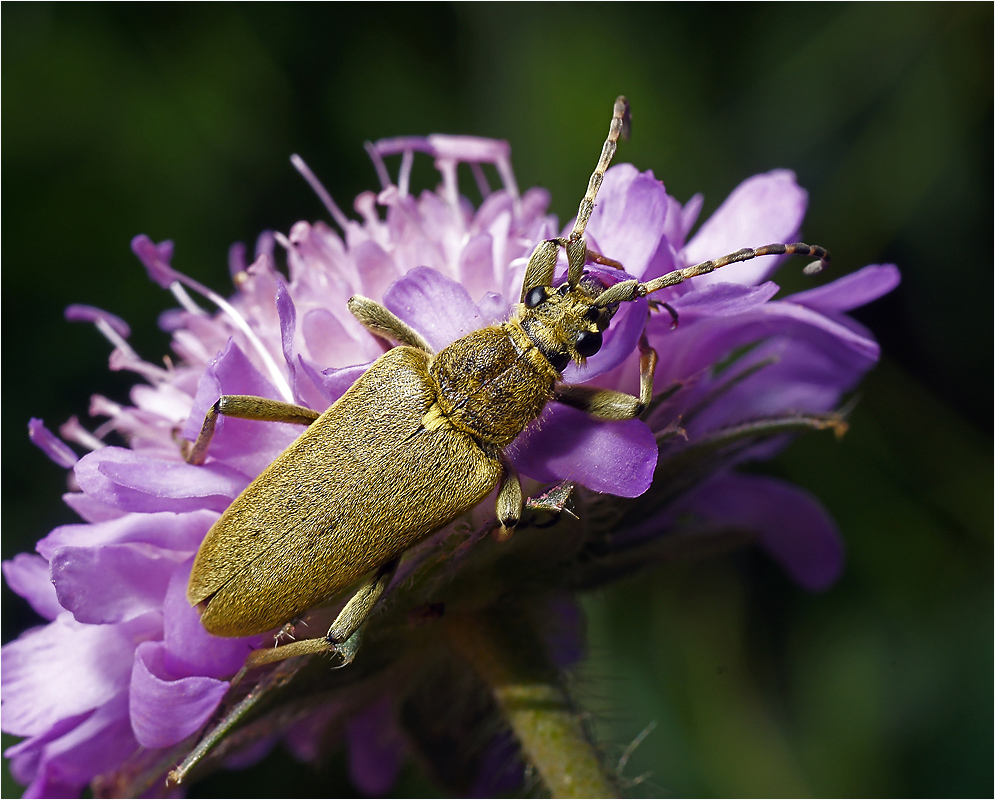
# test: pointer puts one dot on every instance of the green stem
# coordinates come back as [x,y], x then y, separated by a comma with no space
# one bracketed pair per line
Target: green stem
[531,696]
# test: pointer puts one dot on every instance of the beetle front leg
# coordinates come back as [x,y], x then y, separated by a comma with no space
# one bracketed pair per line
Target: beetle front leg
[243,406]
[609,404]
[382,322]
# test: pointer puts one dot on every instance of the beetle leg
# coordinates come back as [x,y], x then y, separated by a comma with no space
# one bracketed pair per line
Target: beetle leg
[509,503]
[244,406]
[347,625]
[595,257]
[360,606]
[609,404]
[383,323]
[601,403]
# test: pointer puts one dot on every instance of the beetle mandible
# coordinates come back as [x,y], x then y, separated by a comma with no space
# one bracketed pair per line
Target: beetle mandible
[414,443]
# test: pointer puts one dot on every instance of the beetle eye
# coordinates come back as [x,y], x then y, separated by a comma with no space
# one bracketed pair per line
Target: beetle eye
[588,343]
[592,314]
[559,361]
[535,296]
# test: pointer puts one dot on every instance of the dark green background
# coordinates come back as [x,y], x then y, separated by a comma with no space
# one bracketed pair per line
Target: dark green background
[177,121]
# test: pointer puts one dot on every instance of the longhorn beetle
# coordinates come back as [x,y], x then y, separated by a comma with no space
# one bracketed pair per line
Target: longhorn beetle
[415,442]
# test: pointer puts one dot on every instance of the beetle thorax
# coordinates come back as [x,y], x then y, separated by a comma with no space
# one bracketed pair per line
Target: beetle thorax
[492,383]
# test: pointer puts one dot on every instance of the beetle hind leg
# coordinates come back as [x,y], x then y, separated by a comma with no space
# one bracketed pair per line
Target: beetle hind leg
[345,632]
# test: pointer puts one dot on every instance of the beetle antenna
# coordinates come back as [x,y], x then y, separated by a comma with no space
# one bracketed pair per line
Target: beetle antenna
[621,124]
[574,244]
[630,290]
[747,253]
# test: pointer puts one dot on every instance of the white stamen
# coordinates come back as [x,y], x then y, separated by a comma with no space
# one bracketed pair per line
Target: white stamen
[480,178]
[316,186]
[185,299]
[124,356]
[378,164]
[404,177]
[239,321]
[450,188]
[127,360]
[503,166]
[73,431]
[114,337]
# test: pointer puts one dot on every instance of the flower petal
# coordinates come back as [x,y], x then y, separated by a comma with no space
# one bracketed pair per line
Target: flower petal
[337,381]
[114,583]
[30,577]
[246,445]
[188,648]
[328,340]
[90,508]
[722,300]
[165,710]
[476,265]
[794,528]
[306,739]
[437,307]
[376,748]
[287,312]
[50,444]
[628,220]
[25,757]
[694,347]
[761,210]
[166,530]
[61,670]
[851,291]
[377,270]
[135,482]
[617,457]
[67,763]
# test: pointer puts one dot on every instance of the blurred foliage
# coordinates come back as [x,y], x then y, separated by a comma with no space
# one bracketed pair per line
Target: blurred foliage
[177,121]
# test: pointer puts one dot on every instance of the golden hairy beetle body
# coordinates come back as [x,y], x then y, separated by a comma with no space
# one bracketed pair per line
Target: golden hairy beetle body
[416,441]
[403,452]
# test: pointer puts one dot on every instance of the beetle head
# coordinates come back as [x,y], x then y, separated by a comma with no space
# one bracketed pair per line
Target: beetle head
[566,322]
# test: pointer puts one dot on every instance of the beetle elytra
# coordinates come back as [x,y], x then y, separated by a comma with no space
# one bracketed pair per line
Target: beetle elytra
[414,443]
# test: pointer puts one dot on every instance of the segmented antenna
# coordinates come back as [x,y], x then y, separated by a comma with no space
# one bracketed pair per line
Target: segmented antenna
[747,253]
[630,290]
[621,121]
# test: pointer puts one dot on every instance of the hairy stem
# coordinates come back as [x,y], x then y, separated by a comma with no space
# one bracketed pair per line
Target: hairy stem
[529,692]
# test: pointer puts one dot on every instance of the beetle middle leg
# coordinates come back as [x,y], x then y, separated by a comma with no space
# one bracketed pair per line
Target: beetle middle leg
[509,503]
[609,404]
[244,406]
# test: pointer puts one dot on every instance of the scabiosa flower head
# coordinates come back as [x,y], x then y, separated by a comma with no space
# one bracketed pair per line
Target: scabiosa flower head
[116,686]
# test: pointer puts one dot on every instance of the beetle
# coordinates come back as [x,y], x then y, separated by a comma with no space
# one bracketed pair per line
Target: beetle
[414,443]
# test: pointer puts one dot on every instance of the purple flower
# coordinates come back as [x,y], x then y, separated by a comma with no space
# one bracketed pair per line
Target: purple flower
[123,662]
